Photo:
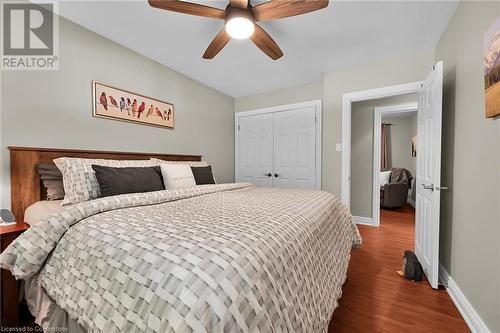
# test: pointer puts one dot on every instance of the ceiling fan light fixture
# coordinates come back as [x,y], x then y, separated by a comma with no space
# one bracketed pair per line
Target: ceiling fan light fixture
[240,17]
[240,27]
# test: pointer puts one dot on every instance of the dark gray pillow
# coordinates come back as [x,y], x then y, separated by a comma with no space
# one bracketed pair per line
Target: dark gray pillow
[114,181]
[52,180]
[203,175]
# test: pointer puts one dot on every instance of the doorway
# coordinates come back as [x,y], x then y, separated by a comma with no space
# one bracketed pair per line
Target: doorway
[394,159]
[428,170]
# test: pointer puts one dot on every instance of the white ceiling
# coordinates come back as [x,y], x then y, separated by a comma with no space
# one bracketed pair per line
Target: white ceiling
[341,35]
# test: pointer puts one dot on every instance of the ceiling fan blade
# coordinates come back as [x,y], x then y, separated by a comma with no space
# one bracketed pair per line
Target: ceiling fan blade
[188,8]
[239,3]
[276,9]
[217,44]
[266,43]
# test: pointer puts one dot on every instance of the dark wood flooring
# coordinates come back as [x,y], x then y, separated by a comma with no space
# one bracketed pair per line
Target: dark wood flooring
[376,299]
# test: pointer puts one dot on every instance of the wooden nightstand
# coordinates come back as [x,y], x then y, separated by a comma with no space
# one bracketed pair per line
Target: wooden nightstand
[9,289]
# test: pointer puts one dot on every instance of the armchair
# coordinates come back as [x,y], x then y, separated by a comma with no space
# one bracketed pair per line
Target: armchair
[395,193]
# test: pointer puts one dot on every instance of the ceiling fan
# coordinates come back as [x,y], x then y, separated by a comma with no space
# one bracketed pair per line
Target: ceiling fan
[240,17]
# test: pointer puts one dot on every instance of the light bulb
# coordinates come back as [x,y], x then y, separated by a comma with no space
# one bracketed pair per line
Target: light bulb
[240,27]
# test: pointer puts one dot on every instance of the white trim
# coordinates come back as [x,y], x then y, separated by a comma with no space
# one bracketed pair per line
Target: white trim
[443,275]
[471,317]
[318,113]
[364,220]
[347,100]
[278,108]
[411,202]
[377,122]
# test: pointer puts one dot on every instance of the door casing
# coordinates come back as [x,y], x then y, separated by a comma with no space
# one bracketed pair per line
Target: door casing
[358,96]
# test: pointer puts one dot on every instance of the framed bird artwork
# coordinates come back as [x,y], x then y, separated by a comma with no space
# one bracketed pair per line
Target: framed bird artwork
[118,104]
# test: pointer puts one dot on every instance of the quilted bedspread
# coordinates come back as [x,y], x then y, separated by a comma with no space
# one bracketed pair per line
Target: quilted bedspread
[210,258]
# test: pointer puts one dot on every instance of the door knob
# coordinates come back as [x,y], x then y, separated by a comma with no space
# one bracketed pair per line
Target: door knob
[276,175]
[428,187]
[269,174]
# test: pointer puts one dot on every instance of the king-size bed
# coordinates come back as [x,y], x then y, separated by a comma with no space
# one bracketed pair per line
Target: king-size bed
[205,258]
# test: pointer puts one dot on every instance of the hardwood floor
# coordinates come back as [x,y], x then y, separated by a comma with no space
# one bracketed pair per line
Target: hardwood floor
[376,299]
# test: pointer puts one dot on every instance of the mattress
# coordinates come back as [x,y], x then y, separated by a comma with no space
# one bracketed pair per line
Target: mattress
[41,210]
[210,258]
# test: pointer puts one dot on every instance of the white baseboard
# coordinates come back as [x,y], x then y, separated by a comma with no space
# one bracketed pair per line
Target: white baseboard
[411,202]
[443,275]
[471,317]
[364,220]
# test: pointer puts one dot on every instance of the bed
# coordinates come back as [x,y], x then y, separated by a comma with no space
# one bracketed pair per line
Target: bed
[209,258]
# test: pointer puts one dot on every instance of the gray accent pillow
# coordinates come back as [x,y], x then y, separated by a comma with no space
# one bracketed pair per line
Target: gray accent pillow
[115,181]
[52,180]
[203,175]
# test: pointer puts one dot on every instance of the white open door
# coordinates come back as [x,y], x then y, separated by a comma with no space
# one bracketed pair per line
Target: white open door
[428,178]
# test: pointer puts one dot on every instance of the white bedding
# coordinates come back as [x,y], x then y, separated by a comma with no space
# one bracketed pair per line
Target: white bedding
[40,210]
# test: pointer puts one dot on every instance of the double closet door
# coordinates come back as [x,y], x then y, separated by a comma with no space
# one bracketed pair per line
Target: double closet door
[278,149]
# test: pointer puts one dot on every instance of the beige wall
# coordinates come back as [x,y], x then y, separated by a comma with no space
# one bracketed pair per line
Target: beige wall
[400,134]
[54,108]
[362,151]
[470,210]
[372,74]
[302,93]
[390,71]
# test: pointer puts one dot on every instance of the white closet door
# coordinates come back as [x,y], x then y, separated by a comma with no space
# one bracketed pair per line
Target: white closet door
[256,149]
[295,148]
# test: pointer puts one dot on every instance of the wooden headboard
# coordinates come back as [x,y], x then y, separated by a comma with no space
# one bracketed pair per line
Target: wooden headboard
[25,184]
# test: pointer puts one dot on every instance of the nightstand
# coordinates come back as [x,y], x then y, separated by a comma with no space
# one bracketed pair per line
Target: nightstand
[9,292]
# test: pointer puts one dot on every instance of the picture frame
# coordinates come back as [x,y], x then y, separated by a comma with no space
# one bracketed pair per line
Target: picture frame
[492,70]
[114,103]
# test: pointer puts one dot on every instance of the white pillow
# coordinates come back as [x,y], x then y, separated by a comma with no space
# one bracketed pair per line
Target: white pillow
[384,177]
[195,164]
[177,175]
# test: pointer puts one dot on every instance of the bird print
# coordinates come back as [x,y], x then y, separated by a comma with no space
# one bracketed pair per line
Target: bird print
[128,106]
[158,112]
[122,104]
[150,110]
[141,109]
[134,107]
[103,100]
[112,101]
